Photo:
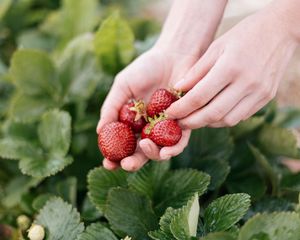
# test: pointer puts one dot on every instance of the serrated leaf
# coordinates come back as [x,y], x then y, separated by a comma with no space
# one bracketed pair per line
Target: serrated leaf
[67,190]
[218,236]
[178,187]
[165,221]
[247,126]
[61,220]
[55,132]
[184,223]
[28,109]
[206,143]
[44,165]
[97,231]
[16,149]
[41,200]
[89,211]
[147,180]
[34,74]
[278,141]
[100,181]
[79,70]
[225,211]
[275,226]
[130,213]
[114,43]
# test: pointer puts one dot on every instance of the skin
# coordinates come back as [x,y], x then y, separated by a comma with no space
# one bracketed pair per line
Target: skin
[228,82]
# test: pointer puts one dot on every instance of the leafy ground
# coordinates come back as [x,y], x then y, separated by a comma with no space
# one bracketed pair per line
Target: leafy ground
[58,61]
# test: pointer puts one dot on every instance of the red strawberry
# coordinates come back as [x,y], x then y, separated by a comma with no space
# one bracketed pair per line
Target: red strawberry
[133,114]
[162,131]
[116,141]
[160,100]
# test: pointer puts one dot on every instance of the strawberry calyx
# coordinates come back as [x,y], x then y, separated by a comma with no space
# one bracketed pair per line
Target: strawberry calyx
[177,93]
[140,109]
[153,121]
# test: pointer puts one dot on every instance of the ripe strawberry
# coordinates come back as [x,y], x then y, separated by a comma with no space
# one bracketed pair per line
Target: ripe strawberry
[160,100]
[133,114]
[116,141]
[162,131]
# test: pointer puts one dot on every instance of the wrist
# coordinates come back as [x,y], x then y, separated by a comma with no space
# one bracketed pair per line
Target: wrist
[191,26]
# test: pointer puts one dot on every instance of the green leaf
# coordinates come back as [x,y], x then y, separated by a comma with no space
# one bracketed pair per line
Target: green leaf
[225,211]
[130,213]
[89,211]
[291,182]
[55,132]
[4,6]
[61,220]
[114,43]
[218,169]
[16,188]
[267,168]
[247,126]
[148,180]
[288,117]
[97,231]
[184,224]
[278,141]
[28,109]
[79,70]
[44,165]
[218,236]
[275,226]
[100,181]
[178,187]
[67,190]
[206,143]
[41,200]
[16,148]
[34,73]
[165,221]
[35,39]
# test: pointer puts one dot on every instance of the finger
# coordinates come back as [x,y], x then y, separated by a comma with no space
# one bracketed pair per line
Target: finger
[198,71]
[218,108]
[168,152]
[118,95]
[134,162]
[150,149]
[256,108]
[109,165]
[203,92]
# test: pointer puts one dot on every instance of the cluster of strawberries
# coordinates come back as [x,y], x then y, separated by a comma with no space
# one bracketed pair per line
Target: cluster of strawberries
[117,140]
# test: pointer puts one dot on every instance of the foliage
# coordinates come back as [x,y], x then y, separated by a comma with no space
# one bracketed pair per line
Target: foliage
[58,60]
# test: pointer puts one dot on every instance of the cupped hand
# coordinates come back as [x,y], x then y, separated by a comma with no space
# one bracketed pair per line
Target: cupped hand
[238,74]
[154,69]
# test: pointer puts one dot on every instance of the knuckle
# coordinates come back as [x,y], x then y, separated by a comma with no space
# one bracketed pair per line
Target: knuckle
[230,122]
[215,115]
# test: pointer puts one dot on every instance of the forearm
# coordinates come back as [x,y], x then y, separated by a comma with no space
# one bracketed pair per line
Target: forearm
[191,25]
[288,12]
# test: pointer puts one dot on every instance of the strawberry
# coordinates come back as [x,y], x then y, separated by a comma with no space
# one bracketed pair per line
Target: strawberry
[160,100]
[116,141]
[162,131]
[133,114]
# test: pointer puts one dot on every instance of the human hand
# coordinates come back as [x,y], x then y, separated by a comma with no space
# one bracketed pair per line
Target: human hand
[238,75]
[155,69]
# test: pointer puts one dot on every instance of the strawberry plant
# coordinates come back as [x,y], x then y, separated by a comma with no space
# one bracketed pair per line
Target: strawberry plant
[58,61]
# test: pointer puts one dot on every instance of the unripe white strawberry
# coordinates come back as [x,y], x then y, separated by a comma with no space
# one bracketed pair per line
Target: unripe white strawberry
[23,222]
[36,232]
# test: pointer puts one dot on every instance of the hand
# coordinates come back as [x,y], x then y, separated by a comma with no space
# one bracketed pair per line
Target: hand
[155,69]
[237,76]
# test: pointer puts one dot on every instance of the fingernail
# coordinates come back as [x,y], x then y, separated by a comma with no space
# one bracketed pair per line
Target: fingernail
[178,85]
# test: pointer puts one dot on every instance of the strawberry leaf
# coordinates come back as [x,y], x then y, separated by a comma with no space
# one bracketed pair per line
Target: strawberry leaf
[44,165]
[36,77]
[275,226]
[130,213]
[60,220]
[225,211]
[278,141]
[100,181]
[248,126]
[55,132]
[114,43]
[147,181]
[178,187]
[97,231]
